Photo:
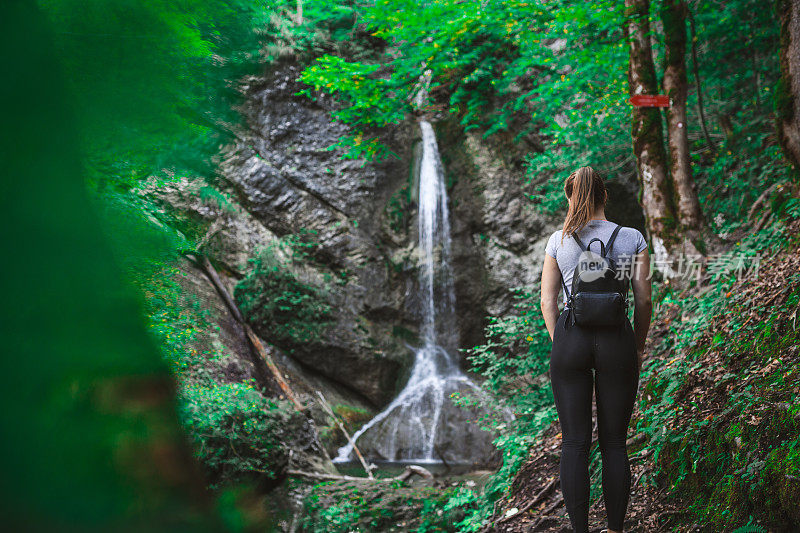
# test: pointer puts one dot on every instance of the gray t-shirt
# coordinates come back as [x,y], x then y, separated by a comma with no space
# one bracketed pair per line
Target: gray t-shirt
[628,243]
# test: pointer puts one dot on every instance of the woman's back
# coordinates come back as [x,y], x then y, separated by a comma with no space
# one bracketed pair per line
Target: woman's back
[600,362]
[628,243]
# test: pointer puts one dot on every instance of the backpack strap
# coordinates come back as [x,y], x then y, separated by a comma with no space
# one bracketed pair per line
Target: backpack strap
[570,320]
[566,291]
[580,243]
[611,240]
[602,246]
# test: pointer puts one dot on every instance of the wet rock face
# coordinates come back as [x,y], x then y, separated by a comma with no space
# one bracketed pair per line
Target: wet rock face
[497,233]
[284,177]
[279,181]
[287,178]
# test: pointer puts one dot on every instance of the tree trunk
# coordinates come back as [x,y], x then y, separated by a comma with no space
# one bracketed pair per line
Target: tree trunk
[648,141]
[696,70]
[673,17]
[787,97]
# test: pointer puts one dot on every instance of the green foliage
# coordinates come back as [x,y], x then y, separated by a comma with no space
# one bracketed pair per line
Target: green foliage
[326,27]
[151,79]
[559,70]
[88,419]
[740,457]
[514,360]
[153,85]
[237,431]
[342,507]
[397,208]
[214,198]
[372,103]
[472,505]
[352,417]
[154,82]
[750,528]
[287,311]
[300,246]
[730,183]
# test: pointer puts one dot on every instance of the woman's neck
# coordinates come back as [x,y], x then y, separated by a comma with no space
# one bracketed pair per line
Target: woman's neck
[599,215]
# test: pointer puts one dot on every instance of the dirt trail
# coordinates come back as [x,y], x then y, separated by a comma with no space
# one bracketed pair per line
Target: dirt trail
[649,509]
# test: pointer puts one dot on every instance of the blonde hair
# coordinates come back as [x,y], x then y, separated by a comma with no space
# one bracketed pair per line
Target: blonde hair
[588,192]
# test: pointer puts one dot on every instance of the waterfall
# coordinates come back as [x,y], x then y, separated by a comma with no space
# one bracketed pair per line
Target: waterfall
[421,420]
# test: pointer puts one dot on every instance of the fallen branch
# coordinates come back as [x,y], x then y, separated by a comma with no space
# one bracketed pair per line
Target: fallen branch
[205,265]
[762,198]
[636,439]
[414,470]
[273,368]
[638,477]
[762,222]
[326,406]
[536,499]
[550,508]
[644,454]
[329,477]
[411,470]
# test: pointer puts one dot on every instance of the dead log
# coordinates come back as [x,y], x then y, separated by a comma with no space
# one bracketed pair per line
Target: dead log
[414,470]
[411,470]
[255,343]
[325,477]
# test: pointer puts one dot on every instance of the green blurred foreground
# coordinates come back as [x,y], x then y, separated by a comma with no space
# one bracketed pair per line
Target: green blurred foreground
[90,438]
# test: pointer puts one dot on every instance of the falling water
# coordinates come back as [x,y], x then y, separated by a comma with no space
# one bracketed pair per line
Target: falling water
[421,421]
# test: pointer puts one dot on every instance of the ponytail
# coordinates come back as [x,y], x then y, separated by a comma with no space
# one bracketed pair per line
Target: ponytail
[588,192]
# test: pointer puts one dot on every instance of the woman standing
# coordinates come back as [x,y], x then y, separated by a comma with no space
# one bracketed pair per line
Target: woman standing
[606,359]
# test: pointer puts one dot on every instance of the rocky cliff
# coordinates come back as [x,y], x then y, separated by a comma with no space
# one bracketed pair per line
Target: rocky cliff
[289,218]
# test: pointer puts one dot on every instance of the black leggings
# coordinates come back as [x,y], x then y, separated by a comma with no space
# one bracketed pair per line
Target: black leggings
[611,352]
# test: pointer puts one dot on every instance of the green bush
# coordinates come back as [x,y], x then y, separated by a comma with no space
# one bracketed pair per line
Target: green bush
[236,430]
[386,505]
[719,406]
[288,312]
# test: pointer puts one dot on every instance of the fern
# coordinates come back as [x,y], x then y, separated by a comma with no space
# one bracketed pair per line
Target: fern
[750,528]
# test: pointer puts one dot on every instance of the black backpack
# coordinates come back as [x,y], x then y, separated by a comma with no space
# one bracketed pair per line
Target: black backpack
[599,295]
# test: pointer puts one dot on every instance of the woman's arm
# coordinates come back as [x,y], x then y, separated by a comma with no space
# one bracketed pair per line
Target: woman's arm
[642,303]
[551,284]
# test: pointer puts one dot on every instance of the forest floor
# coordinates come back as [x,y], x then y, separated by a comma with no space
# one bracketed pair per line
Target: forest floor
[704,395]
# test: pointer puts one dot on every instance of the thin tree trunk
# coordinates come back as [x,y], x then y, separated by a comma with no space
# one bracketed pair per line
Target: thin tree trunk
[787,99]
[648,141]
[673,17]
[696,70]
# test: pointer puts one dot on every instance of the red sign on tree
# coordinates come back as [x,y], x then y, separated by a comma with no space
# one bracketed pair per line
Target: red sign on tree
[650,100]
